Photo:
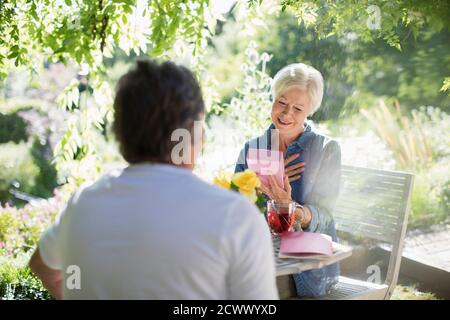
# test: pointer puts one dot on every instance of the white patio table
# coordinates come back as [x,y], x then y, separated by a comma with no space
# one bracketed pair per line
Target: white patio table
[285,266]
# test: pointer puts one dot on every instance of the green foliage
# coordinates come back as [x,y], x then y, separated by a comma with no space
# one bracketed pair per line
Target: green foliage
[261,203]
[444,200]
[18,283]
[446,85]
[251,108]
[288,42]
[411,293]
[88,31]
[405,58]
[17,169]
[46,180]
[355,72]
[20,231]
[75,151]
[423,205]
[430,198]
[361,17]
[404,137]
[85,32]
[416,139]
[21,228]
[12,128]
[418,146]
[25,152]
[413,76]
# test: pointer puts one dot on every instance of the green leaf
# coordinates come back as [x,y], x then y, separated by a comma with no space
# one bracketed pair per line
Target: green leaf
[12,55]
[234,187]
[446,85]
[14,51]
[75,96]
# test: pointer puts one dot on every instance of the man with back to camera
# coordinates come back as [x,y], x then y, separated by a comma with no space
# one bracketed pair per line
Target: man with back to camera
[154,230]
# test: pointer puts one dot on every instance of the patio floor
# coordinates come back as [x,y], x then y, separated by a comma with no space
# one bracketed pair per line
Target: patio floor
[426,260]
[431,247]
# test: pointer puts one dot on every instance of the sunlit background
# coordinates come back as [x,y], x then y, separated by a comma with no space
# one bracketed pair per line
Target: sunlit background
[388,108]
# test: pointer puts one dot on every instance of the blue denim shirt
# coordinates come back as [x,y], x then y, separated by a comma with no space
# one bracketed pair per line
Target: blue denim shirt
[317,189]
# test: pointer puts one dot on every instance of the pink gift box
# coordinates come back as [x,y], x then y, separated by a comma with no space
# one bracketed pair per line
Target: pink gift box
[265,163]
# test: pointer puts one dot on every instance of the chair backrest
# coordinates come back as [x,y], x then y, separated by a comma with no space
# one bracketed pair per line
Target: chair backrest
[375,204]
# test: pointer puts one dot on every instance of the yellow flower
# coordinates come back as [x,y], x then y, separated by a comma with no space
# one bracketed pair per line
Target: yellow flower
[247,182]
[251,195]
[223,180]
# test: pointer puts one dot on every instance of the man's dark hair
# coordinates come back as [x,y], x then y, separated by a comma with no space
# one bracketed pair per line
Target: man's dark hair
[153,100]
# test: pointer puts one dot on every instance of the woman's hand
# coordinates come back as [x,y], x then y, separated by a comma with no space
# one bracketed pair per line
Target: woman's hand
[293,171]
[275,192]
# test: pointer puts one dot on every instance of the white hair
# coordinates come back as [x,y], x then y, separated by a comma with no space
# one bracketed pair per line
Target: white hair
[300,74]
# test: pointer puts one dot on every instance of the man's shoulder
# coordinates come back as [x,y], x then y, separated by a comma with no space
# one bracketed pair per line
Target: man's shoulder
[101,185]
[213,192]
[228,201]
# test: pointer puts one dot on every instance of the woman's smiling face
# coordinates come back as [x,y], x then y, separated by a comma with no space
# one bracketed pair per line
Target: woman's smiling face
[290,109]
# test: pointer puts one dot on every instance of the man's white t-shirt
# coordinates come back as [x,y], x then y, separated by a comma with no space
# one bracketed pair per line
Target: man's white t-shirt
[159,232]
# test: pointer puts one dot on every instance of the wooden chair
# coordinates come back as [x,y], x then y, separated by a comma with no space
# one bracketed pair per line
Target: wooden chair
[373,204]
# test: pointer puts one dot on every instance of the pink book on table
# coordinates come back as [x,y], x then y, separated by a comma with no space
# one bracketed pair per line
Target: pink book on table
[265,163]
[306,242]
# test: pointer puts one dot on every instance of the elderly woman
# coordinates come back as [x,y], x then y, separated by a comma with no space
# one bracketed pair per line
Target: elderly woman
[312,163]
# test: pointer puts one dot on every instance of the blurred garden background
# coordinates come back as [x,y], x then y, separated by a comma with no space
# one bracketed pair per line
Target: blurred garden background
[386,66]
